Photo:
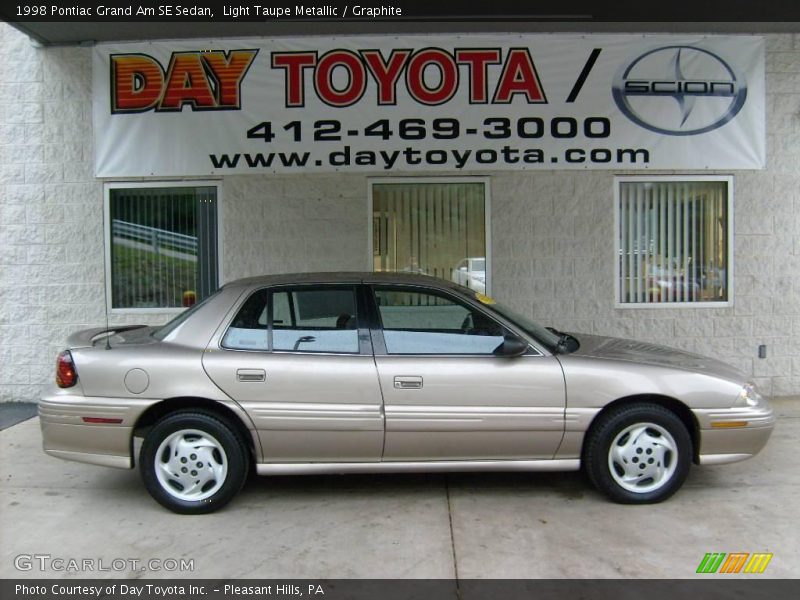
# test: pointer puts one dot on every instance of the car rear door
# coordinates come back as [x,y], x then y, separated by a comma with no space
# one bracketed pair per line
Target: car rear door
[447,396]
[299,360]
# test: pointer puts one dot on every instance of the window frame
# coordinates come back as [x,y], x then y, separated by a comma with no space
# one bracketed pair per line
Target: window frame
[362,319]
[487,214]
[728,179]
[115,185]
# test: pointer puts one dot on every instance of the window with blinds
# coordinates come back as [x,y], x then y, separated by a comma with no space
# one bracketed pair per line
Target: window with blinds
[163,246]
[434,228]
[674,241]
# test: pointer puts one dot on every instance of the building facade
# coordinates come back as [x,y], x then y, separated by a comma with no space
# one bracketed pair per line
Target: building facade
[551,238]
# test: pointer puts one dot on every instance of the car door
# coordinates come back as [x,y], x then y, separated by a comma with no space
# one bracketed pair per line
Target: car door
[299,361]
[446,395]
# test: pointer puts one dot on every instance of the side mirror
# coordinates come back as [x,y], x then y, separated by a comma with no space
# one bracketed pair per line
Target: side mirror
[571,344]
[511,346]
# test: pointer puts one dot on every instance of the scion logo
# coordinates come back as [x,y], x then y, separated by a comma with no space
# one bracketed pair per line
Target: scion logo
[679,90]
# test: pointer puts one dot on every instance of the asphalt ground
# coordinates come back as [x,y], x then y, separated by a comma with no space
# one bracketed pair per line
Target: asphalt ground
[12,413]
[516,525]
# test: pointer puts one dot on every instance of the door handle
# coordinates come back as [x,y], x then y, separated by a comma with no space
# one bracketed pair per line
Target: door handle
[407,382]
[251,375]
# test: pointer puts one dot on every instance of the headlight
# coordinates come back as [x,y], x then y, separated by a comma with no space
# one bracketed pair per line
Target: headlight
[749,396]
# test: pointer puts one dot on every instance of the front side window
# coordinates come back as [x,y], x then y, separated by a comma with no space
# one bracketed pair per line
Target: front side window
[674,241]
[418,322]
[163,246]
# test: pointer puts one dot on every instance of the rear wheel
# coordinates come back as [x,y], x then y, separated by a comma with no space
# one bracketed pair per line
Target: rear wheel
[638,453]
[193,462]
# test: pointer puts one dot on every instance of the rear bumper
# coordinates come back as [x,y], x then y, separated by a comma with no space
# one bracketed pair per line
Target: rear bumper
[66,434]
[734,434]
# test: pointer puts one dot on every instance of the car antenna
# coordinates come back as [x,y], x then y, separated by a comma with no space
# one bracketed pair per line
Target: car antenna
[105,278]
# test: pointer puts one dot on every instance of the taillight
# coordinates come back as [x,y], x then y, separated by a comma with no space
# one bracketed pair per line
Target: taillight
[66,375]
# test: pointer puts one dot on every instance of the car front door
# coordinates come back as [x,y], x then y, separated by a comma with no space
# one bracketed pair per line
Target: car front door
[447,396]
[299,361]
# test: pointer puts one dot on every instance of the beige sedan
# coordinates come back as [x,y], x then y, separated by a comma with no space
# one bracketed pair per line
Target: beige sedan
[371,372]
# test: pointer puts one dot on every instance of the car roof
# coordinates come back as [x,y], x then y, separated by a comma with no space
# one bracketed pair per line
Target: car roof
[345,277]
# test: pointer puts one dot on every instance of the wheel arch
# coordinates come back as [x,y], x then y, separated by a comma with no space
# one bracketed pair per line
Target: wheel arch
[674,405]
[170,405]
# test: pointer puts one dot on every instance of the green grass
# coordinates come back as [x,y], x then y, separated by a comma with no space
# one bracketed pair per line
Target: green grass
[143,279]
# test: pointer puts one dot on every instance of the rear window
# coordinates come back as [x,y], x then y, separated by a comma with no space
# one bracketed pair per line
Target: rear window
[170,326]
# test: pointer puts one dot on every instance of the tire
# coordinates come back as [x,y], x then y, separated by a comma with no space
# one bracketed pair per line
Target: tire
[638,453]
[193,462]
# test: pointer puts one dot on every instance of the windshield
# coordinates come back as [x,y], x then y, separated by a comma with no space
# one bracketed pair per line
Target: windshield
[532,328]
[163,331]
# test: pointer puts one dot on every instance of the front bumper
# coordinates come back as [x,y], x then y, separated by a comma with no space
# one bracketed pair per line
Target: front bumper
[67,435]
[733,434]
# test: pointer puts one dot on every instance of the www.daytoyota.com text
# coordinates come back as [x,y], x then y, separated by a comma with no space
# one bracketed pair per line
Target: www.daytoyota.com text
[521,132]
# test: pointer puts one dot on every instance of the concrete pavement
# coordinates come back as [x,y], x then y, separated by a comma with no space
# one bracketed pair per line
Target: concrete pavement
[401,526]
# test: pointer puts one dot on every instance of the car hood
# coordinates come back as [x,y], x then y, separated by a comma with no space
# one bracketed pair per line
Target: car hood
[611,348]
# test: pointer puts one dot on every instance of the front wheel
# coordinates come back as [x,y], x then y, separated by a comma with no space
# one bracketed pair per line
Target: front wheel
[193,462]
[638,453]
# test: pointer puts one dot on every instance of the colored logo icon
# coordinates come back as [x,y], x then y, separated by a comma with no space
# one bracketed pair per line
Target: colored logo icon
[734,562]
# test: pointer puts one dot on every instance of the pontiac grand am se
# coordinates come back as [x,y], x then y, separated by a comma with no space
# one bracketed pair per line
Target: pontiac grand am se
[379,372]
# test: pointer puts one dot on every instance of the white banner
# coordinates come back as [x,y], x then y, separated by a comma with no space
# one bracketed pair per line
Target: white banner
[390,104]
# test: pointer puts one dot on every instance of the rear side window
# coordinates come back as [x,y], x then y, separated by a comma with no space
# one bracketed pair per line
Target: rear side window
[302,320]
[316,320]
[249,330]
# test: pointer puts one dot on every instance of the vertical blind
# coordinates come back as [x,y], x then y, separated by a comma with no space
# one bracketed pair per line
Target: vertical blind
[673,241]
[163,246]
[427,227]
